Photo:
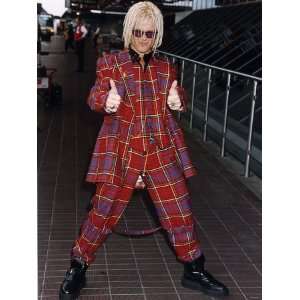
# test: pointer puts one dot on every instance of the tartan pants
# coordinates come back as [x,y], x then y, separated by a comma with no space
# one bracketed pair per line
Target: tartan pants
[167,188]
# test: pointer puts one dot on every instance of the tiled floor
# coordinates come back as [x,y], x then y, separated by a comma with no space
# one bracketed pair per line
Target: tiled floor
[228,215]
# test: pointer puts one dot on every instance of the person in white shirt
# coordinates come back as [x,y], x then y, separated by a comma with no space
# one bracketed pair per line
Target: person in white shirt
[79,37]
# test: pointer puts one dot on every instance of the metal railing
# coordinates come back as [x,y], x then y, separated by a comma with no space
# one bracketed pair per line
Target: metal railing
[229,74]
[233,2]
[183,3]
[203,4]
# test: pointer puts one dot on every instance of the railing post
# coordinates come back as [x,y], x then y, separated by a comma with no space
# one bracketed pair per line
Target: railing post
[181,82]
[249,144]
[182,72]
[225,115]
[193,96]
[206,106]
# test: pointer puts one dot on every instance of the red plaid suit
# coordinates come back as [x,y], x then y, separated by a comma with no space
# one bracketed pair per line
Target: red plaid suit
[121,154]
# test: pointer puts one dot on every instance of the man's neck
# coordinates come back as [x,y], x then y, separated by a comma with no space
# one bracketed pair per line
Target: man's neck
[141,55]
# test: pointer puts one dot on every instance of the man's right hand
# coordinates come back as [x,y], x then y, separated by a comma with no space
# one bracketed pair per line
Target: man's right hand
[113,100]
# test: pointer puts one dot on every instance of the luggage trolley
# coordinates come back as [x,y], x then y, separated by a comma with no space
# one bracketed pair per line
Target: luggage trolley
[49,93]
[46,88]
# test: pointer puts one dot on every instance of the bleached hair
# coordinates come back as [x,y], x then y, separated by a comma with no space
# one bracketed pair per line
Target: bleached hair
[140,10]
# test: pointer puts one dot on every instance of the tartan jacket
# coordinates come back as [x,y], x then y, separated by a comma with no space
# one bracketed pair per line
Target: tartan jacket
[109,156]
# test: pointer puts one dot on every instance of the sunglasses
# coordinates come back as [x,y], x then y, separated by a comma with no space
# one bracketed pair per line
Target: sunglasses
[139,33]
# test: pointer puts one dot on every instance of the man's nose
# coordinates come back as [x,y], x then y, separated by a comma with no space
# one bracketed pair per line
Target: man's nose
[144,38]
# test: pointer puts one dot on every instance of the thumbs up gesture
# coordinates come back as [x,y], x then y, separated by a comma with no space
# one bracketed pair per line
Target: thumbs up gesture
[173,100]
[113,100]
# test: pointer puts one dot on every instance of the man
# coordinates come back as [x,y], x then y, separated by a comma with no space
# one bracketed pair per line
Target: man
[79,37]
[139,141]
[39,44]
[96,36]
[69,37]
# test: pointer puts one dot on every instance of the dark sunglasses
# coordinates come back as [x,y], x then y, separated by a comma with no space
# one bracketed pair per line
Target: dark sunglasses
[139,33]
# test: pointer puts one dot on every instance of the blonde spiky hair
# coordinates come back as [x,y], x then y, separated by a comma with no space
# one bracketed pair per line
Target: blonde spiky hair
[144,9]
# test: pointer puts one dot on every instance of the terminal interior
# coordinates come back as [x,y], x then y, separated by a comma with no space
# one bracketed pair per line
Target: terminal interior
[226,203]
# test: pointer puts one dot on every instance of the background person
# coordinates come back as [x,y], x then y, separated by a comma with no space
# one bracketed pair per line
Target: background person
[96,36]
[69,37]
[79,37]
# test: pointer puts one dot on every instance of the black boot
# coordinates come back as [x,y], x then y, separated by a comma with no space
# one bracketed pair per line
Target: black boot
[74,280]
[196,278]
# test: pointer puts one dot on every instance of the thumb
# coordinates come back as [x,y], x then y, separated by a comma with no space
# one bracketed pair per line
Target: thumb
[173,86]
[113,86]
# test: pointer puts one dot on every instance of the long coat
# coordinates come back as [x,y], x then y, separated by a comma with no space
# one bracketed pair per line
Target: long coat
[109,157]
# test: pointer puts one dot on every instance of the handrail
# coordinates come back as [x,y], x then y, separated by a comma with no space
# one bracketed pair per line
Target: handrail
[211,66]
[253,96]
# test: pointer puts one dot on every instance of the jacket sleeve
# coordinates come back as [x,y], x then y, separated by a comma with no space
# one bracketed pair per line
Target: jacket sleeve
[181,91]
[99,92]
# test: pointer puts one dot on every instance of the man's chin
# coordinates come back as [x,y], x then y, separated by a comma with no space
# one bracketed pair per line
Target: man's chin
[142,50]
[146,51]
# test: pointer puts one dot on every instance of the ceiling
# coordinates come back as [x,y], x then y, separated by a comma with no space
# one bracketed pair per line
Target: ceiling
[123,5]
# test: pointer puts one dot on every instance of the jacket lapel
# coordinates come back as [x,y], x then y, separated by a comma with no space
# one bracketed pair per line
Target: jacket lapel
[160,81]
[128,76]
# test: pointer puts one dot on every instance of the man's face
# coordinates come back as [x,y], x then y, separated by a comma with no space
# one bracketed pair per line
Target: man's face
[140,42]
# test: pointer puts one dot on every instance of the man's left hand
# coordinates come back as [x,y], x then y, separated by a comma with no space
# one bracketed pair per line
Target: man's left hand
[173,100]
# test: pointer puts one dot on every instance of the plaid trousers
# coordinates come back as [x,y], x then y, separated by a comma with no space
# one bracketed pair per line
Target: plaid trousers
[167,188]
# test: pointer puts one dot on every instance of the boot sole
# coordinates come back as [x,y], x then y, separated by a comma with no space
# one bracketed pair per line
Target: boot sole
[67,296]
[194,286]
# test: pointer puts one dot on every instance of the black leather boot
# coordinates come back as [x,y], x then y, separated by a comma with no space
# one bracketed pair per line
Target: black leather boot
[195,277]
[74,280]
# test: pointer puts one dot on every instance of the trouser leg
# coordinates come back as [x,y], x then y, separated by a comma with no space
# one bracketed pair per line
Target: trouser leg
[66,45]
[80,53]
[169,193]
[81,59]
[109,203]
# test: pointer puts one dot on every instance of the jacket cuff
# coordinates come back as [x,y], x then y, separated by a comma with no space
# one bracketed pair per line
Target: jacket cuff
[97,101]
